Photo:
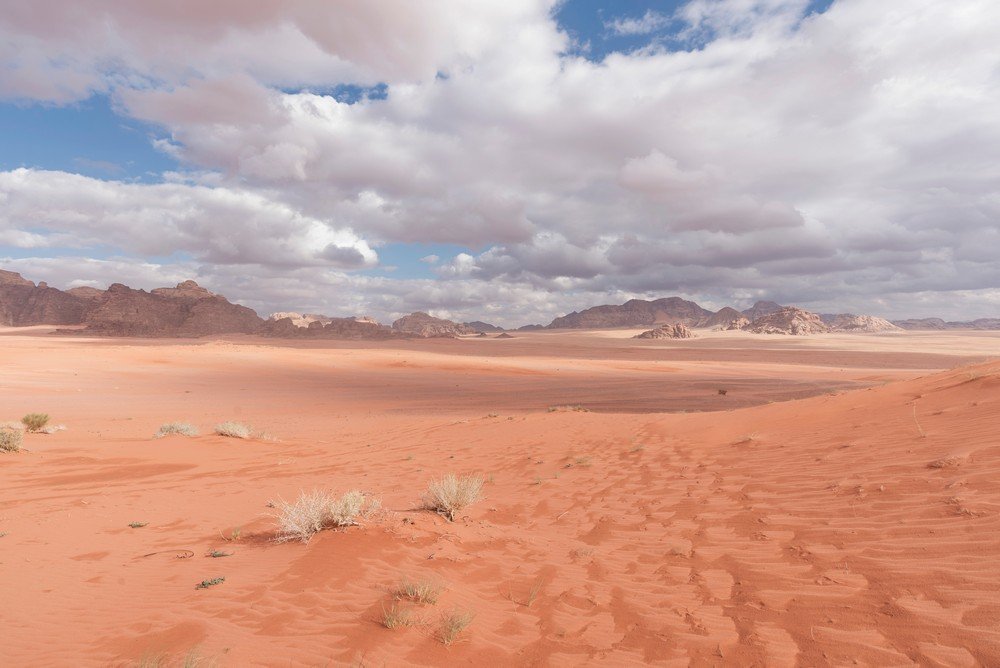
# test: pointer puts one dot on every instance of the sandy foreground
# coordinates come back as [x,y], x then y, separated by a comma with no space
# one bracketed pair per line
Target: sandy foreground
[839,504]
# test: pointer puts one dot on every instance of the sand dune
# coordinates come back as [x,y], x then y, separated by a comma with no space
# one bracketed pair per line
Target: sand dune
[857,524]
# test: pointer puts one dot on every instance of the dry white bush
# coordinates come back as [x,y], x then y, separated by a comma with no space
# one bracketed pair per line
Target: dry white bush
[182,428]
[314,511]
[451,494]
[234,430]
[11,440]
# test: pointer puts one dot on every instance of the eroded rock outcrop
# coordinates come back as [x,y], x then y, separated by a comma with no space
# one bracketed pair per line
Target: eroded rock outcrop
[862,324]
[427,326]
[789,320]
[675,331]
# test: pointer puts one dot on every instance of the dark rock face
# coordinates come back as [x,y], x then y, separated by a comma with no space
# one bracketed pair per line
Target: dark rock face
[185,311]
[22,303]
[426,326]
[480,326]
[634,313]
[666,332]
[761,309]
[724,318]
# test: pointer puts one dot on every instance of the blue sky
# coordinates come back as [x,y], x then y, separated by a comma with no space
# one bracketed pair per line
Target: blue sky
[491,157]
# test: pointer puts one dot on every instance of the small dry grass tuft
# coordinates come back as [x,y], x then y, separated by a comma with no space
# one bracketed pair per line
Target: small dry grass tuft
[424,591]
[452,625]
[182,428]
[314,511]
[568,409]
[35,421]
[451,494]
[395,617]
[234,430]
[11,440]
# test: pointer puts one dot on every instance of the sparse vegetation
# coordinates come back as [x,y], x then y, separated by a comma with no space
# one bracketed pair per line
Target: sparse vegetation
[137,525]
[234,430]
[395,617]
[35,422]
[451,494]
[182,428]
[11,440]
[568,409]
[216,554]
[205,584]
[453,623]
[424,591]
[723,392]
[314,511]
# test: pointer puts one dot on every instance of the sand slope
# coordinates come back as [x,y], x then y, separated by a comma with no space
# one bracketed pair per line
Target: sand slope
[861,527]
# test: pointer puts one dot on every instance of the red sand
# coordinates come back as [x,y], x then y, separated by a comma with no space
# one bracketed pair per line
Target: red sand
[810,532]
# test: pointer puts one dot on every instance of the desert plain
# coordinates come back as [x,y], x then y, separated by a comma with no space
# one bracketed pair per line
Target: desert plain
[734,499]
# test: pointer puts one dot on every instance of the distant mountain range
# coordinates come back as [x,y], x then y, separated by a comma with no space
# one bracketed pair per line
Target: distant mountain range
[189,310]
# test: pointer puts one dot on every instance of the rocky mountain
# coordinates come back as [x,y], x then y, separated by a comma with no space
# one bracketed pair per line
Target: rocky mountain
[480,326]
[23,303]
[187,310]
[675,331]
[86,293]
[760,309]
[866,324]
[634,313]
[788,320]
[939,324]
[725,318]
[424,325]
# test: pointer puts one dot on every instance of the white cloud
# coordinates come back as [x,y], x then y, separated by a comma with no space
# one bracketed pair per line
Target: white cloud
[643,25]
[807,158]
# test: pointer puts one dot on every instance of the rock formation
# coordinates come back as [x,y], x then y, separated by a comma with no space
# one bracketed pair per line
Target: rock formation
[427,326]
[675,331]
[789,320]
[939,324]
[725,318]
[504,335]
[760,309]
[187,310]
[634,313]
[866,324]
[480,326]
[22,303]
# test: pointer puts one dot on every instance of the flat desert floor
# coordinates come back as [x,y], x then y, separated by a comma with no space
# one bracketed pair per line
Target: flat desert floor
[838,505]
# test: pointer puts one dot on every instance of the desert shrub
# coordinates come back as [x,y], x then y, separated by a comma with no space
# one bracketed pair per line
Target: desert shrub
[452,625]
[35,421]
[182,428]
[314,511]
[424,591]
[451,494]
[11,440]
[234,430]
[395,617]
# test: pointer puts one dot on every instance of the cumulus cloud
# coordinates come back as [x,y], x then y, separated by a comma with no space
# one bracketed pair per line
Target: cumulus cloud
[217,225]
[808,157]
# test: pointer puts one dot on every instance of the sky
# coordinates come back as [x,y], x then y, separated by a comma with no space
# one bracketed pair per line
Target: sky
[508,161]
